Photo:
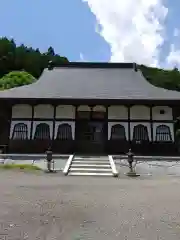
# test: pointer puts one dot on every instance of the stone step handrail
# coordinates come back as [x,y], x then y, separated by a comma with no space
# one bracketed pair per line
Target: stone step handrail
[113,166]
[68,164]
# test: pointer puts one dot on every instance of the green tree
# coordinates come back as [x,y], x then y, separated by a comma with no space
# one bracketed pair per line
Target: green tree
[168,79]
[51,51]
[16,58]
[7,51]
[16,79]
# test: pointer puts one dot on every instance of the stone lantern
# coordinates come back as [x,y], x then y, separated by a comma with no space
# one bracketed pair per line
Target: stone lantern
[132,164]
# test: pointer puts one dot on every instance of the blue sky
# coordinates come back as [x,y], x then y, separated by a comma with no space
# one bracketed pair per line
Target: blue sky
[70,26]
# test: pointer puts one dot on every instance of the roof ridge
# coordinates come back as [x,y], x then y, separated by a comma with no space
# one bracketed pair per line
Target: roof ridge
[53,65]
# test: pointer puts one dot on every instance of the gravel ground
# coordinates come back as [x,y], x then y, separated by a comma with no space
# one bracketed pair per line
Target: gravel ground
[44,206]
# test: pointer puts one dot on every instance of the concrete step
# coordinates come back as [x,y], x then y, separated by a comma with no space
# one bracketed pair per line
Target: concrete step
[91,158]
[91,162]
[90,165]
[90,174]
[73,169]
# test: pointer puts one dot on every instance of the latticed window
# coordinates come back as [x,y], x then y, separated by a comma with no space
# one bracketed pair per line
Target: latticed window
[64,132]
[163,134]
[118,132]
[140,133]
[20,131]
[42,132]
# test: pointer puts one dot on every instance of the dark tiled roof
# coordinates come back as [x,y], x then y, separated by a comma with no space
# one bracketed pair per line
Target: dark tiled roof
[93,81]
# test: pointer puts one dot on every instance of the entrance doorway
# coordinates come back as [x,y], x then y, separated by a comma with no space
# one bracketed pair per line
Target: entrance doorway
[91,132]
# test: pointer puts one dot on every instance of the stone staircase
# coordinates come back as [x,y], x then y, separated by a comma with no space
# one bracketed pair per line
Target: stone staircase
[90,166]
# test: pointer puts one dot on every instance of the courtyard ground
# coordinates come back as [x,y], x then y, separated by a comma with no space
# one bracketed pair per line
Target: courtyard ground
[44,206]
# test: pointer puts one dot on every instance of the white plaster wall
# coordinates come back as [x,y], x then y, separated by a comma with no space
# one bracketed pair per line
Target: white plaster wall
[72,124]
[35,123]
[21,111]
[13,123]
[65,111]
[117,112]
[132,125]
[168,115]
[99,108]
[140,112]
[170,125]
[44,111]
[110,124]
[84,108]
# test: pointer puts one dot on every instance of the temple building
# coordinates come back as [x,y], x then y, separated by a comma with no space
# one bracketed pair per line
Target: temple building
[89,108]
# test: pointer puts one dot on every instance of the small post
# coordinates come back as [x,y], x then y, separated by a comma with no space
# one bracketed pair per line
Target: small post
[132,172]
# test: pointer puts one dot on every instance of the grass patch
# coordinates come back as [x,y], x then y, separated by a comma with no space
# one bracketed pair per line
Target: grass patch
[20,167]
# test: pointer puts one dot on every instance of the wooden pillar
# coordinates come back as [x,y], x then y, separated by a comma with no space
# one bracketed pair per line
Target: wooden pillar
[75,120]
[8,130]
[151,124]
[32,121]
[174,121]
[129,123]
[54,122]
[107,130]
[10,108]
[91,110]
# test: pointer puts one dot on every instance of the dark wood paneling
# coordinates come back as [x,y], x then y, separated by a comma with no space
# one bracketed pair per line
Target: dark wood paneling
[5,123]
[90,147]
[40,146]
[171,103]
[140,120]
[45,119]
[63,146]
[28,146]
[112,147]
[141,148]
[167,149]
[117,146]
[20,146]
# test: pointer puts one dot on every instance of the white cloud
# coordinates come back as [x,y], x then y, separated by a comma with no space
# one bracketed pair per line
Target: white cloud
[176,32]
[173,59]
[81,57]
[133,28]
